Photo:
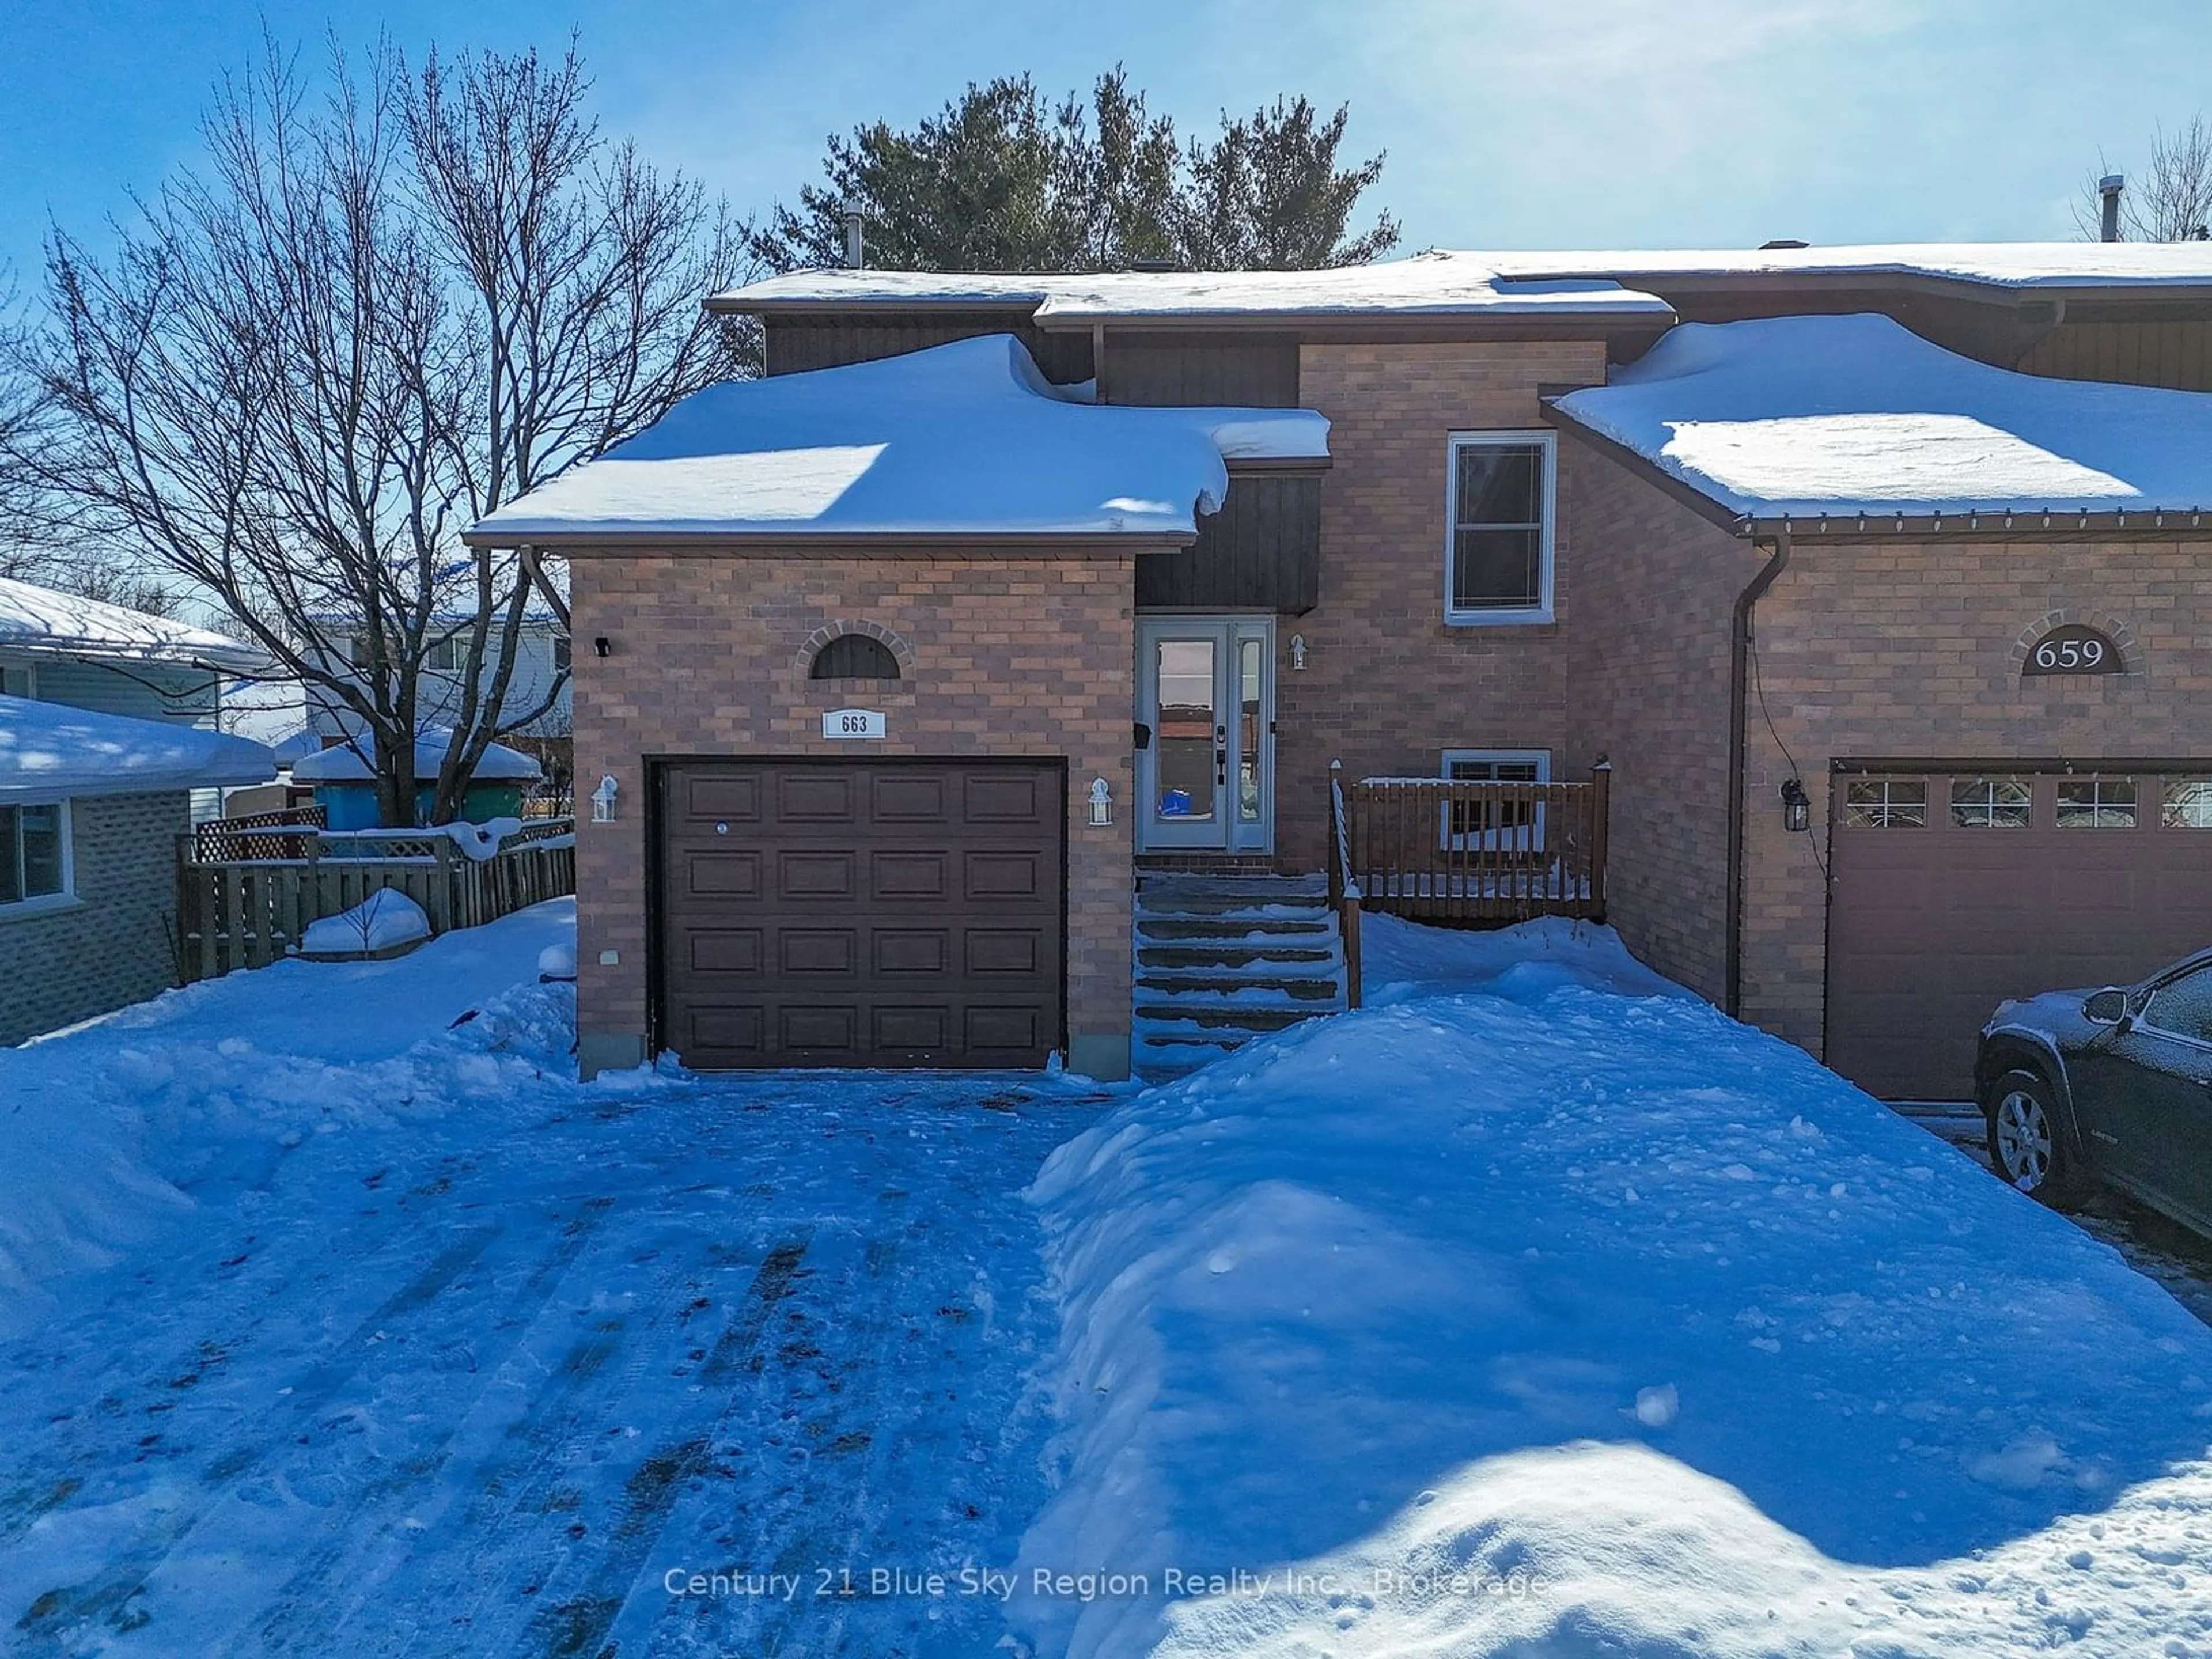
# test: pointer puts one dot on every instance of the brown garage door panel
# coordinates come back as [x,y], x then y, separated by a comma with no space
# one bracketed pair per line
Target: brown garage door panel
[863,913]
[1931,926]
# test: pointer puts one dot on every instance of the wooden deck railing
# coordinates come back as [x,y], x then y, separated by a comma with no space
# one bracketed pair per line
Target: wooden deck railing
[248,913]
[1439,849]
[1343,886]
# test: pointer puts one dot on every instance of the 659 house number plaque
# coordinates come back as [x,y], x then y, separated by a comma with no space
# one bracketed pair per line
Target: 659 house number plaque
[2074,648]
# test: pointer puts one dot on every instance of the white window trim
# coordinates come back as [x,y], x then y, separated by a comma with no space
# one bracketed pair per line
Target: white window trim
[1514,616]
[1540,758]
[66,898]
[29,670]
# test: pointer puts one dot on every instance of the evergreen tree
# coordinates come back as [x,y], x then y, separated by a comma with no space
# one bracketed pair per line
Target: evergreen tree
[1002,179]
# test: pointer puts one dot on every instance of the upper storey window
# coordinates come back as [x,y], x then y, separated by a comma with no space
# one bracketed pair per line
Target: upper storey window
[1498,517]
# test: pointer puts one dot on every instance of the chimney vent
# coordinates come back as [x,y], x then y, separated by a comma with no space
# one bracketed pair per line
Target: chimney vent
[855,248]
[2108,190]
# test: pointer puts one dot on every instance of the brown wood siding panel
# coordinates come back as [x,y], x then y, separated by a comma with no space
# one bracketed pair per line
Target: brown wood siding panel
[1931,928]
[1249,371]
[1260,552]
[795,345]
[870,913]
[2176,353]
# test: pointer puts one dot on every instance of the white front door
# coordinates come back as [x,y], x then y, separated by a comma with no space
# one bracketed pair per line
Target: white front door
[1205,748]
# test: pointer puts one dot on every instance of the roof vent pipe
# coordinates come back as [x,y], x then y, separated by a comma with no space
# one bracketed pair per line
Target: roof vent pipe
[2108,190]
[855,253]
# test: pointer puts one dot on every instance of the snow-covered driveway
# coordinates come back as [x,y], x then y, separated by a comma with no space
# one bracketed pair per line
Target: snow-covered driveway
[480,1377]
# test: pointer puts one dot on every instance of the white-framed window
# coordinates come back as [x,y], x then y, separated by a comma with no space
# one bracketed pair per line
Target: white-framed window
[1477,825]
[560,654]
[36,863]
[1500,499]
[448,655]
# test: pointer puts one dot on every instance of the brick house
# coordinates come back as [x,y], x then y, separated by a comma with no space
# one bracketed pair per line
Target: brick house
[1890,568]
[91,807]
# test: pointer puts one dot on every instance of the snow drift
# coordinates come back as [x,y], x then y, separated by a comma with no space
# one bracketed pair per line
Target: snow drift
[1556,1318]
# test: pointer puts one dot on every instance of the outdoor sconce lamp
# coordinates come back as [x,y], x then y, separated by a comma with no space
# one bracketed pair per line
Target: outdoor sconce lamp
[603,801]
[1796,805]
[1102,802]
[1298,651]
[603,646]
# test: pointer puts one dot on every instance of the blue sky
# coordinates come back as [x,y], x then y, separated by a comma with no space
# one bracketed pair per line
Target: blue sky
[1509,123]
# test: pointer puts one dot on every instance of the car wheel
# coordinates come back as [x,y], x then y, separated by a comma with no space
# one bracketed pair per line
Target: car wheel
[2027,1149]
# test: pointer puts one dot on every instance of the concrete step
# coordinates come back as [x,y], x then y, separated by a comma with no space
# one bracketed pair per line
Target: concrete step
[1236,930]
[1211,1014]
[1310,987]
[1288,958]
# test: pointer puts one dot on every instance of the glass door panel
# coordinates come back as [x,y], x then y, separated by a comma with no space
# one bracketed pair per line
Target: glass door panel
[1251,728]
[1186,775]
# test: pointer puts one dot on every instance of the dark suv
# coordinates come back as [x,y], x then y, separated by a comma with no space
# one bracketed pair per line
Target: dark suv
[2112,1085]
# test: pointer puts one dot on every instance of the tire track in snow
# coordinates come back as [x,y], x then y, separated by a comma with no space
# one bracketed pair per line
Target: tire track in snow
[310,1611]
[499,1576]
[110,1595]
[580,1625]
[273,1279]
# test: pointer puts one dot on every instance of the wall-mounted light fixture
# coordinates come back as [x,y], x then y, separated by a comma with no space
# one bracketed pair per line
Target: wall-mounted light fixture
[603,800]
[1298,651]
[603,646]
[1796,805]
[1102,802]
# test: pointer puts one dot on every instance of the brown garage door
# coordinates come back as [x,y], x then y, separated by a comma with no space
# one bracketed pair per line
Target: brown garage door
[1956,889]
[861,913]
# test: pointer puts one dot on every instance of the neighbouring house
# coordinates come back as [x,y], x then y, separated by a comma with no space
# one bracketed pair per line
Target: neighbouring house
[1875,578]
[537,698]
[91,808]
[59,648]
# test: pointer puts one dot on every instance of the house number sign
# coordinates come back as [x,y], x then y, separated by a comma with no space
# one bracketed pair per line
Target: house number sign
[2075,648]
[850,725]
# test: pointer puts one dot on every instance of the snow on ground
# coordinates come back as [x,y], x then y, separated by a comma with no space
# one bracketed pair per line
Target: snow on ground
[385,918]
[409,1343]
[1812,415]
[1536,1310]
[1561,1316]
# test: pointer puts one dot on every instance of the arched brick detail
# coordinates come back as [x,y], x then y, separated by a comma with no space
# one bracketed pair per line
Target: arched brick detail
[834,630]
[2115,628]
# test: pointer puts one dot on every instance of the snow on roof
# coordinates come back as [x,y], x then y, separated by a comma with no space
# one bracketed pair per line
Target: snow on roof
[1799,417]
[280,714]
[966,439]
[1998,264]
[342,763]
[1444,281]
[49,750]
[1426,284]
[34,618]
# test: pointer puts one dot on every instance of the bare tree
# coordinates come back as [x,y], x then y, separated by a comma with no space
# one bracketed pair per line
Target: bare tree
[2169,201]
[382,310]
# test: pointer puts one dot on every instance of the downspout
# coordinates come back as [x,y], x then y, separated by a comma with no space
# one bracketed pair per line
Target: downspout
[1739,713]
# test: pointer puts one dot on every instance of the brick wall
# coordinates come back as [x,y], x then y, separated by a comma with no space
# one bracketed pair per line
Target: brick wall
[1387,686]
[1011,656]
[111,948]
[1654,586]
[1911,650]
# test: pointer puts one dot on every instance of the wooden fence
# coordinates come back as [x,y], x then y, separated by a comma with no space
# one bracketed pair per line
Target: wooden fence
[247,912]
[277,834]
[1437,849]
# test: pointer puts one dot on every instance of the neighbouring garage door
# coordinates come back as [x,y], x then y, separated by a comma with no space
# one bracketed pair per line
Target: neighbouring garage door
[891,912]
[1955,890]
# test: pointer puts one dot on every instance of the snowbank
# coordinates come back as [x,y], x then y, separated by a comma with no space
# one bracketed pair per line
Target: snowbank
[106,1129]
[1807,415]
[961,439]
[48,749]
[1557,1318]
[34,618]
[384,919]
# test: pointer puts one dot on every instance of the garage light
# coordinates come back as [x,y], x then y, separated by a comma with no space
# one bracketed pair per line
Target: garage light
[1796,805]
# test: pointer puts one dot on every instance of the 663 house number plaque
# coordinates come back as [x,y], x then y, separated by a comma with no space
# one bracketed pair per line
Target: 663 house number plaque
[2073,648]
